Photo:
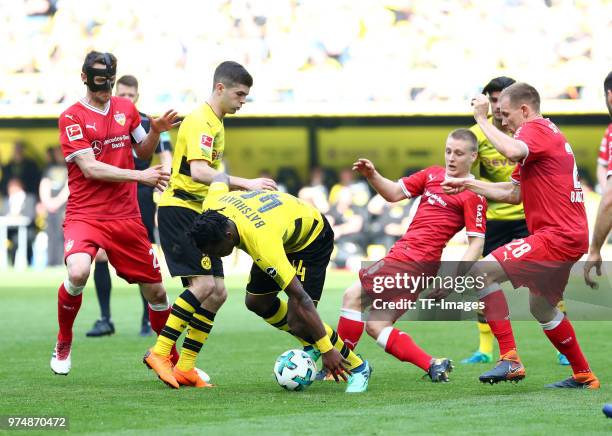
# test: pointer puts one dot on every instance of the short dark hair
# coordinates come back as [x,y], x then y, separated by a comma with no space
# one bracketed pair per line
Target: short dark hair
[608,82]
[128,80]
[96,57]
[523,93]
[465,135]
[231,73]
[498,84]
[208,228]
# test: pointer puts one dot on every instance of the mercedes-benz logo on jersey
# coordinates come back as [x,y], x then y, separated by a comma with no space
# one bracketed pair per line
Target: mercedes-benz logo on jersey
[271,272]
[96,146]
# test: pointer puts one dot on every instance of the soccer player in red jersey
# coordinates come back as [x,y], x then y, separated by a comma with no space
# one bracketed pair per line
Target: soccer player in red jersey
[438,218]
[97,134]
[546,179]
[603,223]
[603,159]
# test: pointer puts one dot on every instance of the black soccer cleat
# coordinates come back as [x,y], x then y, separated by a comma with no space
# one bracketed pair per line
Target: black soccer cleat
[101,327]
[508,368]
[439,369]
[588,382]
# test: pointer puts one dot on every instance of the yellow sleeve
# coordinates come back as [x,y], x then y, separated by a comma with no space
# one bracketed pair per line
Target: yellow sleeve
[271,259]
[200,139]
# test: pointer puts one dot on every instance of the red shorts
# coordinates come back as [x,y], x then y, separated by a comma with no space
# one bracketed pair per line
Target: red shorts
[126,243]
[396,277]
[537,263]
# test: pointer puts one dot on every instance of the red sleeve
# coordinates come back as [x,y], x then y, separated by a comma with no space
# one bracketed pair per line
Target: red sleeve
[475,215]
[604,148]
[135,118]
[515,177]
[414,185]
[536,137]
[72,137]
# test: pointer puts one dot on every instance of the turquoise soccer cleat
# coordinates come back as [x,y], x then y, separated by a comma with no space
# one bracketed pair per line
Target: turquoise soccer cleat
[359,379]
[562,359]
[478,357]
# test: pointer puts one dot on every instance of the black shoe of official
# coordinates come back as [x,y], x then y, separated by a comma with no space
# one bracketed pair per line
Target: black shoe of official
[439,370]
[146,330]
[102,327]
[578,381]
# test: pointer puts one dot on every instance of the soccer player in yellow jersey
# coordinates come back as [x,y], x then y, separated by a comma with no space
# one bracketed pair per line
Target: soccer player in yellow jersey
[505,222]
[197,159]
[291,244]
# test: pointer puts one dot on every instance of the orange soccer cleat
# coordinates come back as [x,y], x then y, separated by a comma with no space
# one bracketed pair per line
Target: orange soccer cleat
[190,378]
[508,368]
[162,366]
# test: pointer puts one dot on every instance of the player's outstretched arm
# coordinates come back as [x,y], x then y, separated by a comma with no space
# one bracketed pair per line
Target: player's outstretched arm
[503,192]
[603,224]
[388,189]
[202,172]
[301,306]
[511,148]
[167,121]
[94,169]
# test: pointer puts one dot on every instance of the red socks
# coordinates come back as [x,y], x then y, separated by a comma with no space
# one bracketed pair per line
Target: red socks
[563,337]
[498,316]
[403,347]
[67,308]
[350,330]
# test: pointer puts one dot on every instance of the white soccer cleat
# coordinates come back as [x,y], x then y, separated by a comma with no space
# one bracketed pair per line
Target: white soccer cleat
[60,359]
[203,375]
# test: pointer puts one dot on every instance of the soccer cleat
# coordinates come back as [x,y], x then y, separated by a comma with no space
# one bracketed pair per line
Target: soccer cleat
[508,368]
[439,369]
[102,327]
[162,367]
[312,352]
[359,379]
[478,357]
[146,330]
[60,359]
[562,359]
[577,381]
[191,378]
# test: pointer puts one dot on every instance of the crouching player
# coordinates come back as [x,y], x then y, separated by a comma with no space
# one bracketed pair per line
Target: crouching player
[291,244]
[438,218]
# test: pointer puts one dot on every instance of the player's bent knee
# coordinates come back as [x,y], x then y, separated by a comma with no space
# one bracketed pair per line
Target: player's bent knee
[352,297]
[256,304]
[154,293]
[78,274]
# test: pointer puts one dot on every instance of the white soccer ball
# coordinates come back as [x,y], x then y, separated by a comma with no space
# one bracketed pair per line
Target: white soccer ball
[295,370]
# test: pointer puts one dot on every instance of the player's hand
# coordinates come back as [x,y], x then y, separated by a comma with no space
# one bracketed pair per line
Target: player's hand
[593,260]
[365,168]
[261,184]
[155,177]
[480,104]
[453,185]
[336,365]
[167,121]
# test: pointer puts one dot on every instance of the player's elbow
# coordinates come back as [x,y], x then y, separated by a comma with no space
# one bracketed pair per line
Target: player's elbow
[393,196]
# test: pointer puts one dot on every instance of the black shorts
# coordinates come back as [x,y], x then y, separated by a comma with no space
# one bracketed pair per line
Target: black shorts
[501,232]
[147,210]
[183,258]
[310,265]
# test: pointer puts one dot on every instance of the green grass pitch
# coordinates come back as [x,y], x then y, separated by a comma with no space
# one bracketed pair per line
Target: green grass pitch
[110,390]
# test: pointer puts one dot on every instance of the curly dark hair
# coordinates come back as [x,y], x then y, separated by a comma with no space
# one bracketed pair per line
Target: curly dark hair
[208,228]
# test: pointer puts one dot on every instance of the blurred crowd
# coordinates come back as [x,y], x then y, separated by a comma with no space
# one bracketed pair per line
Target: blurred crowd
[308,51]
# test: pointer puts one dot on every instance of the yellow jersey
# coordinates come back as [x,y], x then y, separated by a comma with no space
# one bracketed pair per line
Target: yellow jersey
[492,166]
[201,136]
[270,224]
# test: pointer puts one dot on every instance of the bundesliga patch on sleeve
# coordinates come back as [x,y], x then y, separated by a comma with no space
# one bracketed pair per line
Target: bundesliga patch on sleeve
[206,144]
[74,132]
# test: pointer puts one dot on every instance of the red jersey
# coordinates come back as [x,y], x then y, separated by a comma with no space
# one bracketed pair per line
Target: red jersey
[108,135]
[605,149]
[439,215]
[552,196]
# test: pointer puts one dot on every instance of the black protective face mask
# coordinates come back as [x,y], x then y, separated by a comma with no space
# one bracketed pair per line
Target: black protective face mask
[108,72]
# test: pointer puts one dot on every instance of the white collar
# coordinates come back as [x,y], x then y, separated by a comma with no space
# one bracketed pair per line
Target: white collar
[95,109]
